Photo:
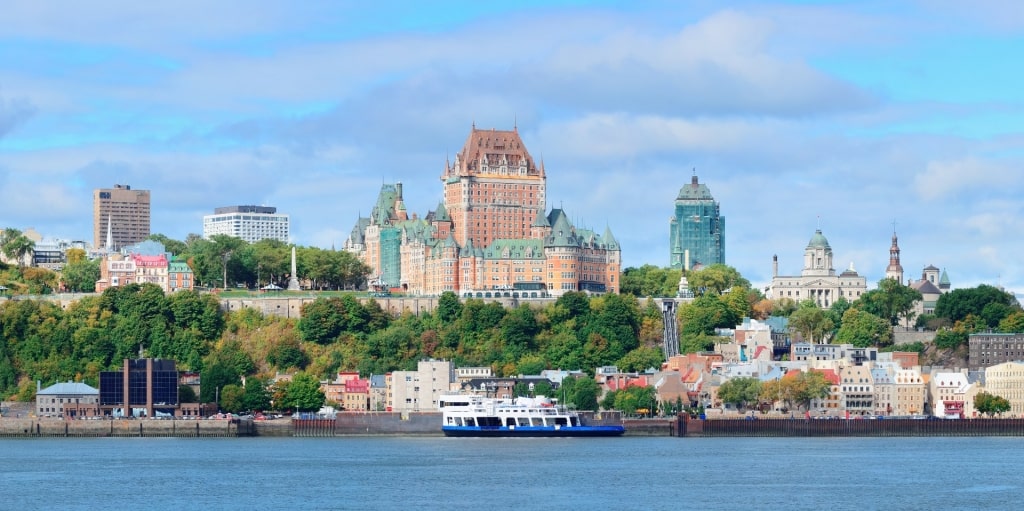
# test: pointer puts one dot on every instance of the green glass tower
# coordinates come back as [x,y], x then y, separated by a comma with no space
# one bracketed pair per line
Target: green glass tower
[697,229]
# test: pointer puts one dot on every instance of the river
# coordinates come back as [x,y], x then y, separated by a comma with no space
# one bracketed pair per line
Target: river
[384,473]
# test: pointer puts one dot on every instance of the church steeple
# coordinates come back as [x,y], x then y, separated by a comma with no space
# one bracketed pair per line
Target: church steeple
[894,270]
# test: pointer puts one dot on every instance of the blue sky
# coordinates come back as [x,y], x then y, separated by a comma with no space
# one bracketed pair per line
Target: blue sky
[847,115]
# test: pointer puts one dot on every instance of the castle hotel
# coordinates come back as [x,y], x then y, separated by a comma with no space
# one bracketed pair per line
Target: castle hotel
[492,235]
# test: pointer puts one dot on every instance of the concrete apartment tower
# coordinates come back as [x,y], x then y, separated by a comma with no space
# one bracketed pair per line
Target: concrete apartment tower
[697,229]
[122,212]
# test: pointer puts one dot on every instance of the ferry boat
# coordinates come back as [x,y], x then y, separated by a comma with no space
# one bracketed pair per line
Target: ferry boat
[478,416]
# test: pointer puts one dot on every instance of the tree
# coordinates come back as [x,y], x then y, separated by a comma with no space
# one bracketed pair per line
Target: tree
[740,391]
[1012,323]
[287,353]
[808,386]
[303,393]
[716,279]
[256,396]
[175,247]
[580,393]
[16,245]
[704,314]
[321,320]
[186,394]
[990,404]
[959,303]
[811,323]
[863,329]
[81,276]
[449,308]
[231,398]
[891,300]
[641,359]
[650,280]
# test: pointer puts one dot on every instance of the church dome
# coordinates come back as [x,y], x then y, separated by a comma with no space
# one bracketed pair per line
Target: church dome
[818,240]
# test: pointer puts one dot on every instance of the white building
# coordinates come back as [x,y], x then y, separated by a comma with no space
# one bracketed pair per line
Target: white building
[818,281]
[51,401]
[249,223]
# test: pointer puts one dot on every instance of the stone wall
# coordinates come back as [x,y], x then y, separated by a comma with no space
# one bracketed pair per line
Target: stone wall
[124,428]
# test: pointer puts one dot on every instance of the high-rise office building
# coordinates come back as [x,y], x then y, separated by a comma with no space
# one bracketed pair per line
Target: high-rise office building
[697,229]
[250,223]
[120,217]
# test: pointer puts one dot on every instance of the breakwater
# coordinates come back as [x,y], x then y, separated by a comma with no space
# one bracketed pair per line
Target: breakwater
[29,428]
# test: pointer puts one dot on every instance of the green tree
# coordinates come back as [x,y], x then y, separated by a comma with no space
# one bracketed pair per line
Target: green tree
[716,279]
[990,404]
[581,392]
[173,246]
[81,276]
[531,364]
[449,308]
[322,320]
[811,323]
[287,353]
[641,359]
[186,394]
[891,300]
[232,398]
[16,246]
[303,393]
[704,314]
[256,396]
[863,329]
[649,280]
[1012,323]
[959,303]
[740,392]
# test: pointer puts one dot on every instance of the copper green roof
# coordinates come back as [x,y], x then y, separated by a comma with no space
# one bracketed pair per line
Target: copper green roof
[694,191]
[515,249]
[441,215]
[818,240]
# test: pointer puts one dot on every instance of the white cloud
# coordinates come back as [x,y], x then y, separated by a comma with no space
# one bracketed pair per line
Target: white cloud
[942,179]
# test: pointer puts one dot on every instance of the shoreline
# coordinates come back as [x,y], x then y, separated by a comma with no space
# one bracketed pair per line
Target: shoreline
[426,424]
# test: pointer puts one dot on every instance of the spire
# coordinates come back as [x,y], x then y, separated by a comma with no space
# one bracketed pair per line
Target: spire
[895,269]
[110,234]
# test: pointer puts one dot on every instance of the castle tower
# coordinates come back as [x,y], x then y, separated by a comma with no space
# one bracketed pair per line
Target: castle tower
[493,190]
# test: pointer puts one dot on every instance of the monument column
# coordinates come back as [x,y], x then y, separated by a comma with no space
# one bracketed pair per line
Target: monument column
[293,280]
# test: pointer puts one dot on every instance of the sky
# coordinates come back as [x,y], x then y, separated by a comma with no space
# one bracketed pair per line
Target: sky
[858,118]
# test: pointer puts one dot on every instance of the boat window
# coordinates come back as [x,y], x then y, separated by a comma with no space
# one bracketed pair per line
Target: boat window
[489,421]
[510,421]
[560,421]
[470,421]
[523,421]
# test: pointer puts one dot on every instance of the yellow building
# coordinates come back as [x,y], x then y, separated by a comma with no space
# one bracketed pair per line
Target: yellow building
[1006,380]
